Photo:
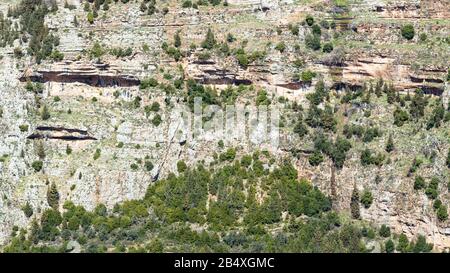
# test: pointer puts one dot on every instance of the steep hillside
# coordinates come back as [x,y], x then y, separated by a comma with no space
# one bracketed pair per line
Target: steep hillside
[96,153]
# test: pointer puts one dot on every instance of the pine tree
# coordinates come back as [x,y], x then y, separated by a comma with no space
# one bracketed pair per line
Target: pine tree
[53,196]
[209,41]
[143,7]
[390,144]
[354,204]
[28,210]
[177,39]
[448,159]
[45,114]
[40,149]
[403,243]
[389,246]
[75,21]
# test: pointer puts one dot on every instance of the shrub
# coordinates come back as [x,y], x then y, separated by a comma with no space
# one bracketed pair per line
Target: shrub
[390,144]
[45,114]
[316,158]
[53,196]
[419,183]
[156,121]
[294,29]
[385,231]
[177,39]
[230,38]
[309,20]
[400,117]
[403,243]
[209,41]
[316,30]
[327,47]
[447,161]
[307,76]
[148,166]
[242,60]
[408,31]
[181,166]
[68,149]
[97,154]
[23,128]
[367,199]
[262,98]
[354,204]
[90,17]
[421,245]
[441,213]
[423,37]
[187,4]
[229,155]
[96,51]
[37,165]
[150,82]
[437,204]
[57,56]
[312,42]
[325,24]
[27,210]
[301,129]
[281,46]
[389,246]
[432,189]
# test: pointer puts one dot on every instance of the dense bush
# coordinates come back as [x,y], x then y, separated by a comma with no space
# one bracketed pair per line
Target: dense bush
[312,42]
[327,47]
[419,183]
[366,199]
[408,31]
[37,165]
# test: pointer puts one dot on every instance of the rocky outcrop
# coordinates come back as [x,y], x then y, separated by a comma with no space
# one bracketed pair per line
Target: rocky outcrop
[94,74]
[61,133]
[356,72]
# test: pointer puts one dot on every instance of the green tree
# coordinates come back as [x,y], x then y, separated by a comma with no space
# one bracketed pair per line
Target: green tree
[45,114]
[316,158]
[419,183]
[309,20]
[408,31]
[210,40]
[327,47]
[300,129]
[27,210]
[385,231]
[389,246]
[354,204]
[181,166]
[281,46]
[390,144]
[53,196]
[421,245]
[403,243]
[177,39]
[441,213]
[312,42]
[37,165]
[367,199]
[447,161]
[90,17]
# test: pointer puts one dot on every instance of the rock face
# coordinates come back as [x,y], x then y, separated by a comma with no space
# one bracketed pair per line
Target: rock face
[95,74]
[103,116]
[61,133]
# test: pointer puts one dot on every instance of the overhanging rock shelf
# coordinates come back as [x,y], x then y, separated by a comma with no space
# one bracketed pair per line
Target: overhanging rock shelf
[93,74]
